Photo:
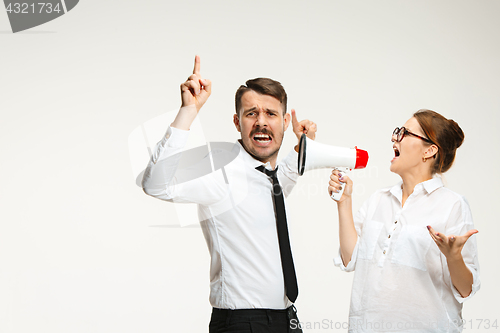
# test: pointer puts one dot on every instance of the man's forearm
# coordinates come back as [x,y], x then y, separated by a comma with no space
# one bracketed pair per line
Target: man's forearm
[185,117]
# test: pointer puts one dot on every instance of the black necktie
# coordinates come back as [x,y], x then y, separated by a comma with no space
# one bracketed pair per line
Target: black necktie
[289,276]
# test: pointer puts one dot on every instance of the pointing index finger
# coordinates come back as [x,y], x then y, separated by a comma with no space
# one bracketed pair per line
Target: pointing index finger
[295,122]
[197,65]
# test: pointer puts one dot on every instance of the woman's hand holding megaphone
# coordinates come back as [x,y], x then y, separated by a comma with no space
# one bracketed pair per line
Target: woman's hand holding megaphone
[334,185]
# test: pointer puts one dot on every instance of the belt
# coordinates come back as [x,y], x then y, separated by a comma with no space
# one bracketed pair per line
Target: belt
[284,314]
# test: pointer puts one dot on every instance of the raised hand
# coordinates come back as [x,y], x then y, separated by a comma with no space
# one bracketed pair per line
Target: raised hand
[451,246]
[305,126]
[196,90]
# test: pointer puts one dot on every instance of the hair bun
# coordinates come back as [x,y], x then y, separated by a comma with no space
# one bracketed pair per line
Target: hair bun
[459,134]
[445,133]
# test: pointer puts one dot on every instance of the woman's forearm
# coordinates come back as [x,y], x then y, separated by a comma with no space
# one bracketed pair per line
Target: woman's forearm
[461,276]
[347,233]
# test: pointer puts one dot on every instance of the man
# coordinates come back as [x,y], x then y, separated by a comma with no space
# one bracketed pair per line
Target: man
[241,207]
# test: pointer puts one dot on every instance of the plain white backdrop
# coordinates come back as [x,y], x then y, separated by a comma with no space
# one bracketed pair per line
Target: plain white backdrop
[83,249]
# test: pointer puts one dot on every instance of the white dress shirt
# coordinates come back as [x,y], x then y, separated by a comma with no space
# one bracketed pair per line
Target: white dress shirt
[401,280]
[236,210]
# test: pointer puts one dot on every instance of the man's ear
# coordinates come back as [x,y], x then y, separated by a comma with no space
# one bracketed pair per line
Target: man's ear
[236,122]
[286,120]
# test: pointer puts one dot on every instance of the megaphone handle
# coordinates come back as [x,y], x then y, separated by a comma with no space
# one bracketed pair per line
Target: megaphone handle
[337,196]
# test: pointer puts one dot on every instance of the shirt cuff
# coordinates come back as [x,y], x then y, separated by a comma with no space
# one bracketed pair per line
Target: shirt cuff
[476,284]
[175,138]
[337,261]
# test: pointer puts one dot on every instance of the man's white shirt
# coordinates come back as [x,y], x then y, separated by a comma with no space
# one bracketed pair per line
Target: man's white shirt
[236,213]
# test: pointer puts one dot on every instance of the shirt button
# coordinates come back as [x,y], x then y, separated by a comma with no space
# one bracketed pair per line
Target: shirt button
[389,236]
[395,222]
[384,252]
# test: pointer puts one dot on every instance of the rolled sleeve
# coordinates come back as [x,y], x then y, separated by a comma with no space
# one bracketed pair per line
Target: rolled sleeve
[358,219]
[476,284]
[469,254]
[337,261]
[463,216]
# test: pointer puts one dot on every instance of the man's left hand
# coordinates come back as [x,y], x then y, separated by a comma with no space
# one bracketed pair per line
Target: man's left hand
[305,126]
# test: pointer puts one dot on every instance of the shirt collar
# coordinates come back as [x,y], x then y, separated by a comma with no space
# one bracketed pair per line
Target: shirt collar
[433,184]
[250,160]
[429,186]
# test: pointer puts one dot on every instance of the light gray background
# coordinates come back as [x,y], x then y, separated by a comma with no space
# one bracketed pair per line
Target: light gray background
[82,249]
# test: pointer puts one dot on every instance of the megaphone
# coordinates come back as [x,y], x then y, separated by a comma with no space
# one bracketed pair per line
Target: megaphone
[315,155]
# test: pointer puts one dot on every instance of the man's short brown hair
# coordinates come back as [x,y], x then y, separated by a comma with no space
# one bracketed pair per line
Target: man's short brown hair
[264,86]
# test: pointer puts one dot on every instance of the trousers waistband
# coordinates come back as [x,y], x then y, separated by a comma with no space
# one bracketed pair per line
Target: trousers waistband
[273,317]
[225,313]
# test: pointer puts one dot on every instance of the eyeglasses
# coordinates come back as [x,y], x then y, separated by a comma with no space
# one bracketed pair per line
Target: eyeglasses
[401,132]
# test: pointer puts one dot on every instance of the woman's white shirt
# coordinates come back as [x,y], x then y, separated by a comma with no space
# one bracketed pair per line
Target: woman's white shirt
[401,280]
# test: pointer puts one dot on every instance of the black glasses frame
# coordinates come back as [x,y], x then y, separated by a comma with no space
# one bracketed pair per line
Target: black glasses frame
[401,132]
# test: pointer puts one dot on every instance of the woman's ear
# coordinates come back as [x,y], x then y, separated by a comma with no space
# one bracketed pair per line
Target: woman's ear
[431,151]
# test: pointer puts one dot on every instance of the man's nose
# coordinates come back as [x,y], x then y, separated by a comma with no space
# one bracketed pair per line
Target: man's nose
[261,119]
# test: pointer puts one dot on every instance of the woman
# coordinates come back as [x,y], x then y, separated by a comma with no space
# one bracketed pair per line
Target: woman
[410,244]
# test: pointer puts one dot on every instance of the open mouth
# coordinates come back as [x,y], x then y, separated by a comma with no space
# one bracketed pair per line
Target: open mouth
[262,138]
[396,151]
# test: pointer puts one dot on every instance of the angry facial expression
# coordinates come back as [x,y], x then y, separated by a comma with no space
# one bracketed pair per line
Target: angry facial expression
[262,125]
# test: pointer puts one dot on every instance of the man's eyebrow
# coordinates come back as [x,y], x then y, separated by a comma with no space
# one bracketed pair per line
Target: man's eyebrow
[271,110]
[255,108]
[250,110]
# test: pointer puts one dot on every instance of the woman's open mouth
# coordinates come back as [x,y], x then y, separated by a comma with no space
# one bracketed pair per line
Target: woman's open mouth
[396,153]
